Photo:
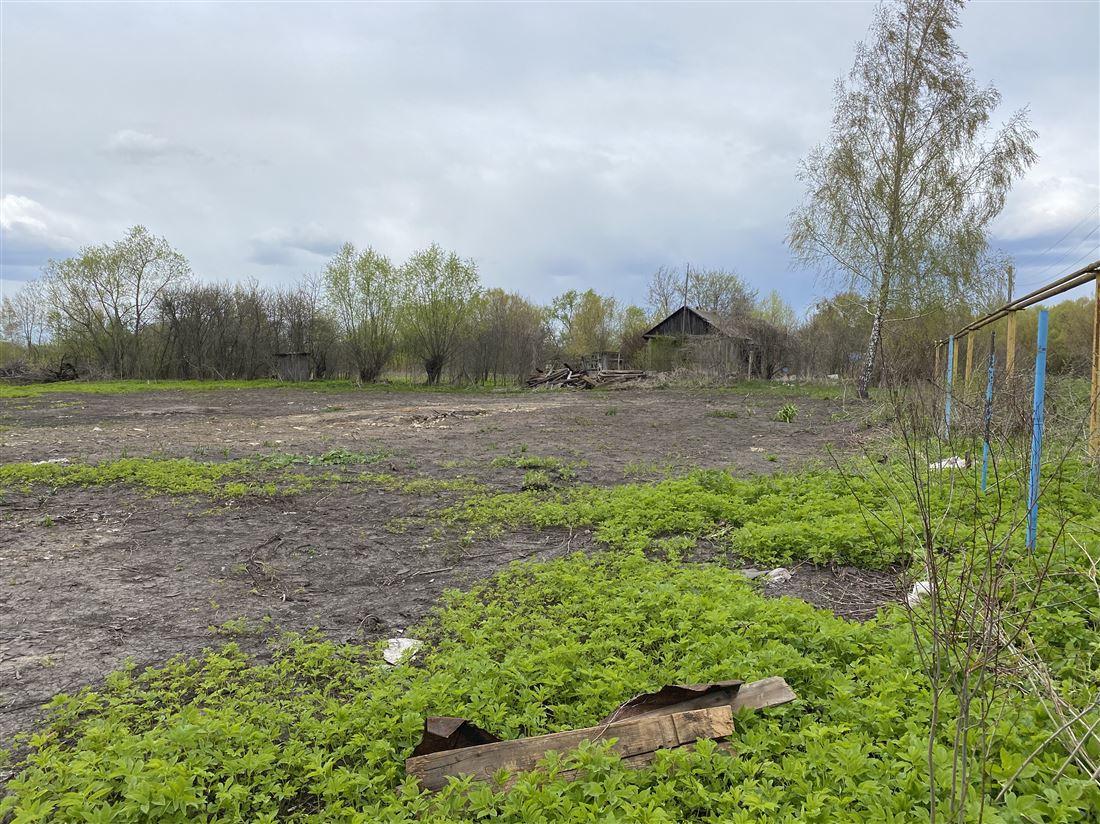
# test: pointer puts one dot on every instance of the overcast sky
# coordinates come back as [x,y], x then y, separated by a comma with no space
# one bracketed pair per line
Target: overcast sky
[561,146]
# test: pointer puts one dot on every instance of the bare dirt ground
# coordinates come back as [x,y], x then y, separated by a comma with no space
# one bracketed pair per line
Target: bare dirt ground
[91,578]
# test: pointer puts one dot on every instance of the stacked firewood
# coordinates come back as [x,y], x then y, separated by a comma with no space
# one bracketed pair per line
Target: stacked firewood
[566,377]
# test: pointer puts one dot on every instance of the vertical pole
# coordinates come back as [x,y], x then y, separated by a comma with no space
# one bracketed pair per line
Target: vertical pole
[1010,346]
[1037,430]
[936,368]
[969,359]
[950,376]
[988,409]
[1094,419]
[955,359]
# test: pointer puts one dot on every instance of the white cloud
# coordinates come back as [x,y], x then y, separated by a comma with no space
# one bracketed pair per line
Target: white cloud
[141,147]
[26,221]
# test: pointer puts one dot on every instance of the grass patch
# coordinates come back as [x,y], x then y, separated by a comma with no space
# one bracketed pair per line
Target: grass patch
[126,387]
[818,515]
[543,470]
[320,733]
[275,474]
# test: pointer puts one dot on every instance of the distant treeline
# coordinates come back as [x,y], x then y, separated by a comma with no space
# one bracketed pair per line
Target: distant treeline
[133,309]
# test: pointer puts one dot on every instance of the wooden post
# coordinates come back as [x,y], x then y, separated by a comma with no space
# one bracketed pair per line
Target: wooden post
[969,360]
[936,370]
[1010,345]
[1094,419]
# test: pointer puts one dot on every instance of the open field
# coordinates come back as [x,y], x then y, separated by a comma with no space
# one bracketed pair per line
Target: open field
[97,575]
[219,567]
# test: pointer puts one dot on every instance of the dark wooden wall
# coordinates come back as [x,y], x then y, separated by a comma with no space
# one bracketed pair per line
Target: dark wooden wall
[682,322]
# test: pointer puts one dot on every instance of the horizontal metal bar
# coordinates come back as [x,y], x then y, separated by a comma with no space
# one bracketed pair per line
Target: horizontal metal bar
[1063,284]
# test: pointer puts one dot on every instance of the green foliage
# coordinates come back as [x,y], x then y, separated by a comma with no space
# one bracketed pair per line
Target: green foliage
[268,475]
[364,291]
[537,479]
[547,465]
[769,520]
[723,413]
[787,413]
[175,476]
[320,733]
[334,457]
[126,387]
[861,516]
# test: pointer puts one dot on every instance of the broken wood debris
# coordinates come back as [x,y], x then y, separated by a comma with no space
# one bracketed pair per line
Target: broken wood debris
[568,378]
[673,717]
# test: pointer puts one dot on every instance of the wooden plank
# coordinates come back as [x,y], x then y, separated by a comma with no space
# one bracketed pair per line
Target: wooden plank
[768,692]
[635,762]
[633,737]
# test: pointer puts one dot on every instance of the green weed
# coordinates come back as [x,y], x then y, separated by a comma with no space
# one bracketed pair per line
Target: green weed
[321,732]
[787,413]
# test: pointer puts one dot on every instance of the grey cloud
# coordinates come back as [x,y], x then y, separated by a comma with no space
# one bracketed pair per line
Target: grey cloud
[281,246]
[142,147]
[559,145]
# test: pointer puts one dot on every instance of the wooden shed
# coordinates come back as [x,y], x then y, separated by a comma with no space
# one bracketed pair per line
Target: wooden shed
[292,366]
[712,342]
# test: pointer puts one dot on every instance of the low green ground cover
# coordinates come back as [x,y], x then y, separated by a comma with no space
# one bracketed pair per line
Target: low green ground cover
[276,474]
[320,733]
[126,387]
[862,515]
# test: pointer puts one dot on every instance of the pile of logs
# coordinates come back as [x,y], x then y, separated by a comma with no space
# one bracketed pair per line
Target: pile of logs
[22,373]
[568,378]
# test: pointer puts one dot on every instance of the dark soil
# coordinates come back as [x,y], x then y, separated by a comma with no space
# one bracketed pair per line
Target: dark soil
[90,578]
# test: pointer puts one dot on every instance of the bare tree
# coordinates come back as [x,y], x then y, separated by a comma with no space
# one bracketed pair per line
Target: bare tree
[720,291]
[27,321]
[666,291]
[899,200]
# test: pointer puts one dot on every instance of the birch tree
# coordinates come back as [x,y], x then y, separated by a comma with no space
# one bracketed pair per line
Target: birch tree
[899,199]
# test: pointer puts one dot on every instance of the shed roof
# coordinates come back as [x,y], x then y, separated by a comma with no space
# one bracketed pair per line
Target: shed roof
[710,320]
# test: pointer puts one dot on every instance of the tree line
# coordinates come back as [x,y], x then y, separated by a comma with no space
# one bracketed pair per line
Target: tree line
[134,309]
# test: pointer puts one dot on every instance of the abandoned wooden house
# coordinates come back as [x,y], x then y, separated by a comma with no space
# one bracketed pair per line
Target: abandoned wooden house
[292,366]
[713,343]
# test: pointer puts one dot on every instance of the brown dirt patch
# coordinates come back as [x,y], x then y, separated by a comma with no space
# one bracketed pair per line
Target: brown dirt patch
[120,575]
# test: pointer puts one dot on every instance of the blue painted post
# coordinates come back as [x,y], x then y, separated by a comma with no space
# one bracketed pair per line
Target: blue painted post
[988,409]
[1037,431]
[950,376]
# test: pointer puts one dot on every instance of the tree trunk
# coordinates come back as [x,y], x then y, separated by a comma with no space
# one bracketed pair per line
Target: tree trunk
[873,345]
[434,367]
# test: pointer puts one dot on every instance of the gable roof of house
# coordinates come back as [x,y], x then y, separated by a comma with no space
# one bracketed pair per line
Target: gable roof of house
[713,320]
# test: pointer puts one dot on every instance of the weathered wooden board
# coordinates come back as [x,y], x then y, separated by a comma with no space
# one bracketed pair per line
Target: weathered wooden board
[636,740]
[768,692]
